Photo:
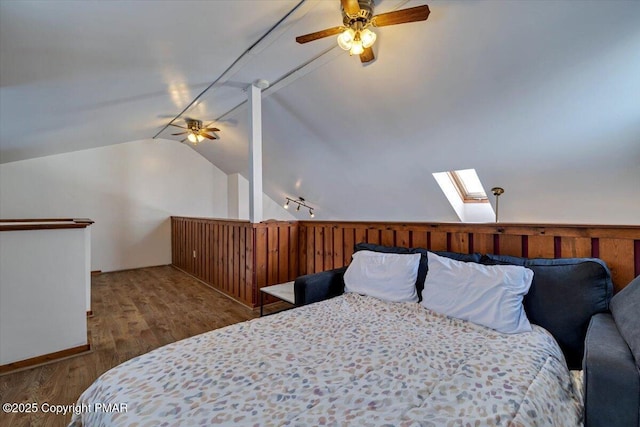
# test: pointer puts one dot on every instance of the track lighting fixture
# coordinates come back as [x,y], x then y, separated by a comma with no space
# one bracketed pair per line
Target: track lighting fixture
[301,202]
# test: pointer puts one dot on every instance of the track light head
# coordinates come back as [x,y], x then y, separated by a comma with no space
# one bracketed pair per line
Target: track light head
[301,203]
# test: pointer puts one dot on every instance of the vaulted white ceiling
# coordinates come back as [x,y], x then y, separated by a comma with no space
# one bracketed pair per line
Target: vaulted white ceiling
[540,97]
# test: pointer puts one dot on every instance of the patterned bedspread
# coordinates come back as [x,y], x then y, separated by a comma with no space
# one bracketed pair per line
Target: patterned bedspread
[351,360]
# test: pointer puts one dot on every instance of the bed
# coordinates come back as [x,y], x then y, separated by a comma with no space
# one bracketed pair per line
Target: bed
[349,359]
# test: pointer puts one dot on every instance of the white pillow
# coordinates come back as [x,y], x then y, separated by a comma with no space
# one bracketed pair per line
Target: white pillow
[489,295]
[389,277]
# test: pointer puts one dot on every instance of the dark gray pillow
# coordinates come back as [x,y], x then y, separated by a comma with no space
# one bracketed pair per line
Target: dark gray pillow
[422,266]
[475,257]
[625,307]
[564,294]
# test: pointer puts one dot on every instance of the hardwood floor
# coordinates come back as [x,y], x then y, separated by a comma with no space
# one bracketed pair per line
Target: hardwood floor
[135,311]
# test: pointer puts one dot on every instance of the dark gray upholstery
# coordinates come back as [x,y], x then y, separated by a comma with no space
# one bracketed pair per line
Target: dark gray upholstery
[611,380]
[625,307]
[564,295]
[475,257]
[319,286]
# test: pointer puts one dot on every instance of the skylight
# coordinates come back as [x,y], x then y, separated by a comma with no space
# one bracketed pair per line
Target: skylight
[468,185]
[465,193]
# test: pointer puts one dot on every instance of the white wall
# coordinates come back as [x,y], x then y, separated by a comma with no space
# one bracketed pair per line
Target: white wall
[42,310]
[238,187]
[130,190]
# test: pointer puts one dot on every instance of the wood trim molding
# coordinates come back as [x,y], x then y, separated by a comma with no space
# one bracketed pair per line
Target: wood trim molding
[45,358]
[13,224]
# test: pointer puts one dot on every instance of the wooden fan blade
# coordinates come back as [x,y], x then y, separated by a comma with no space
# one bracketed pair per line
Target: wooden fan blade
[367,55]
[351,7]
[206,135]
[412,14]
[178,126]
[319,35]
[181,133]
[211,129]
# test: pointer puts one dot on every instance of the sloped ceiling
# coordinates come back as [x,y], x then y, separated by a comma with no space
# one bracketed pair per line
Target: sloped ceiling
[540,97]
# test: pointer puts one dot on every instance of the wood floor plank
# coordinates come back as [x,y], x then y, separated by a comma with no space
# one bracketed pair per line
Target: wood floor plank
[135,311]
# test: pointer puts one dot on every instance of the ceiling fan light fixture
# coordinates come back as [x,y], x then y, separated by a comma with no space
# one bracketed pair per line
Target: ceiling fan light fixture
[368,37]
[356,47]
[345,39]
[195,138]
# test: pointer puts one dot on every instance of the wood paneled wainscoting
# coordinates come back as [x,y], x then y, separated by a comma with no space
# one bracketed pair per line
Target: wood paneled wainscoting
[327,245]
[238,257]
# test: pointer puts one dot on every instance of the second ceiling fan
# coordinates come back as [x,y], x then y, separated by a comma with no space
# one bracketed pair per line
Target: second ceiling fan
[355,34]
[195,132]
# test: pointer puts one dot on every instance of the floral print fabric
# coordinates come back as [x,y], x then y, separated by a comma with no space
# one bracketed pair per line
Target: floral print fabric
[351,360]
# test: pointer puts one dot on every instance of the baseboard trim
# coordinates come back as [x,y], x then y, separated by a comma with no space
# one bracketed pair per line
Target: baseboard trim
[215,289]
[45,359]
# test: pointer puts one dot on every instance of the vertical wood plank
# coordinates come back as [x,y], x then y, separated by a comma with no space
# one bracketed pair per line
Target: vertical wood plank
[388,237]
[272,255]
[173,241]
[403,238]
[347,245]
[261,257]
[438,241]
[207,255]
[236,261]
[360,235]
[373,236]
[188,248]
[311,249]
[460,242]
[575,247]
[251,291]
[216,256]
[242,265]
[338,247]
[283,253]
[319,249]
[293,251]
[483,243]
[510,244]
[175,256]
[302,250]
[619,256]
[200,246]
[225,258]
[541,247]
[419,239]
[328,248]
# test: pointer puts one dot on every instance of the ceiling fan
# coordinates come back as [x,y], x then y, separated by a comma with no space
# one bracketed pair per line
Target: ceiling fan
[195,132]
[355,34]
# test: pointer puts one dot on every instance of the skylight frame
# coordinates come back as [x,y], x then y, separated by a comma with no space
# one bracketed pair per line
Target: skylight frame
[462,185]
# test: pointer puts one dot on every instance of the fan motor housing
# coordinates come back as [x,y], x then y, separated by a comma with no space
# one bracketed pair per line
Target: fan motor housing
[194,125]
[364,16]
